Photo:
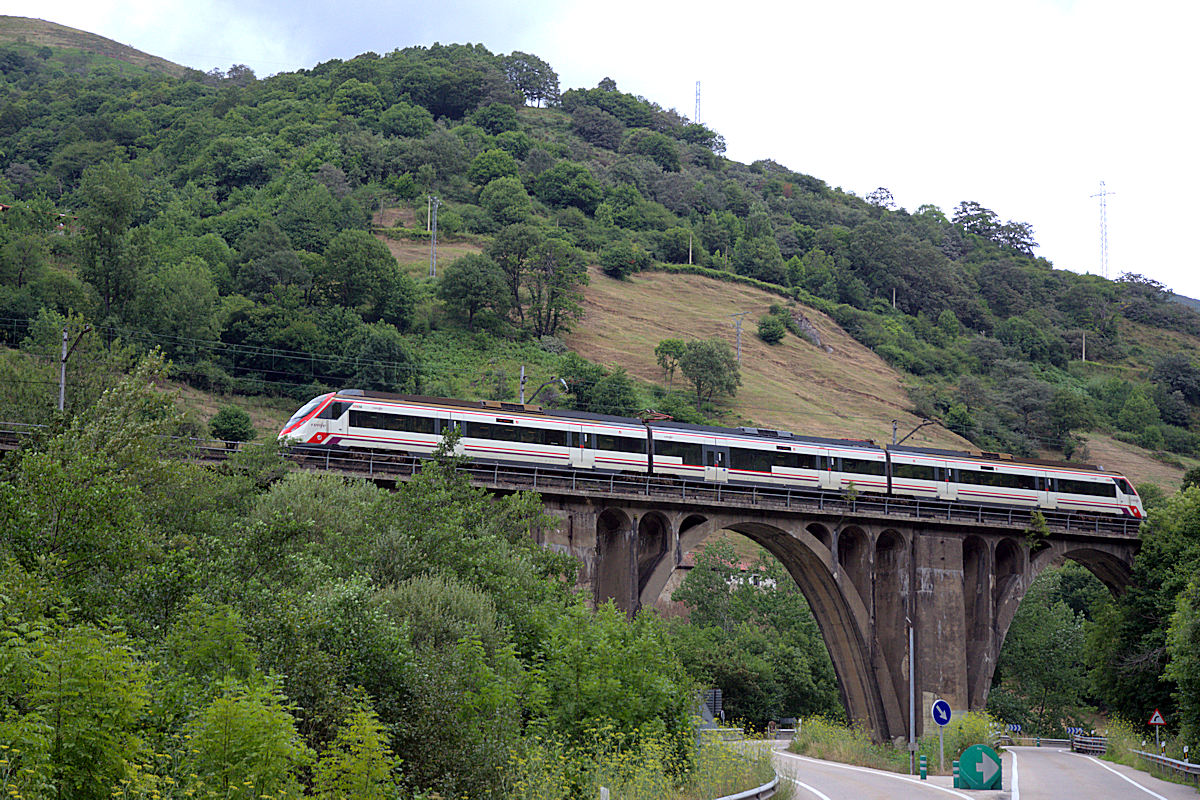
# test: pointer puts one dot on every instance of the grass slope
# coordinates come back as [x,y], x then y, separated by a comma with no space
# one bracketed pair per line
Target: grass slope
[795,386]
[40,32]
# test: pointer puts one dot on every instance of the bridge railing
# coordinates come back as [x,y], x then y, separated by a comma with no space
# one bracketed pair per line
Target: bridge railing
[386,466]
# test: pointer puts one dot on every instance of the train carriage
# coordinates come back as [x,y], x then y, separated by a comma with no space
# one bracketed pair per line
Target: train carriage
[513,433]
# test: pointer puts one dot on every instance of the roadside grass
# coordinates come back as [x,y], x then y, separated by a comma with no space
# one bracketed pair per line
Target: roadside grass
[1124,739]
[647,770]
[851,744]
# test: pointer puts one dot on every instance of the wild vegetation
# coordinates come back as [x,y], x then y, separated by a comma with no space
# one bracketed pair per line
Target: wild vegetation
[226,221]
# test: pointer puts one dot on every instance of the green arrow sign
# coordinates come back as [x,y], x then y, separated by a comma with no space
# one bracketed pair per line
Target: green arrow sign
[979,768]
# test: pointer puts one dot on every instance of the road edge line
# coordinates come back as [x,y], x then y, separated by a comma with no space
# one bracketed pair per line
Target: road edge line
[883,772]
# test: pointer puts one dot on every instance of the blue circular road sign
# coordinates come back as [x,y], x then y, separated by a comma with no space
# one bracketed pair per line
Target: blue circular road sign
[941,712]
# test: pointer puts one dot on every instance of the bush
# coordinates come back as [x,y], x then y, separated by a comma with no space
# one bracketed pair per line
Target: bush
[771,329]
[232,424]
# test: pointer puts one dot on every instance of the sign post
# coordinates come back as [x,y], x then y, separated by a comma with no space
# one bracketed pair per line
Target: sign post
[941,715]
[1156,719]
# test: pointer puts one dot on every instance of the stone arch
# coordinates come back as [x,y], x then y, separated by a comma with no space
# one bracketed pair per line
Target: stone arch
[821,534]
[842,617]
[653,545]
[615,559]
[854,559]
[889,609]
[1114,571]
[977,614]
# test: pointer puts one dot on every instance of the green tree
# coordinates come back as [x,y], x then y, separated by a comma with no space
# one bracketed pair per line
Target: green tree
[496,118]
[111,195]
[667,353]
[532,77]
[568,184]
[406,119]
[473,283]
[1127,643]
[512,248]
[751,634]
[623,258]
[506,200]
[356,98]
[90,691]
[244,745]
[354,270]
[232,424]
[1183,645]
[759,257]
[359,764]
[490,165]
[1039,676]
[602,669]
[384,361]
[711,367]
[555,278]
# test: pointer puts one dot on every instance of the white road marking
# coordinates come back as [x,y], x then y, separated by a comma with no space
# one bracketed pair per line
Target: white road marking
[884,773]
[1016,789]
[818,793]
[1125,778]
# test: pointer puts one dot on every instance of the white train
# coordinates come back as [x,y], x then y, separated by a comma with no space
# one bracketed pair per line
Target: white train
[529,435]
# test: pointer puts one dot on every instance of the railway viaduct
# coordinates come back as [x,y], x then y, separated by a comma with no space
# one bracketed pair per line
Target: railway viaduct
[869,567]
[867,571]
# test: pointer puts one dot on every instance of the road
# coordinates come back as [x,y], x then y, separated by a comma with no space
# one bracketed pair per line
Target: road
[1030,773]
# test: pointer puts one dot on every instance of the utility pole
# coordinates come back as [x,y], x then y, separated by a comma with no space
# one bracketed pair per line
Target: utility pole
[697,117]
[738,322]
[1103,194]
[62,364]
[434,203]
[522,384]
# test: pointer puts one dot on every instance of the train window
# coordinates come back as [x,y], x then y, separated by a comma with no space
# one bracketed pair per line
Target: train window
[1124,486]
[622,444]
[1105,489]
[686,452]
[751,460]
[383,421]
[862,466]
[913,472]
[333,411]
[555,438]
[1003,480]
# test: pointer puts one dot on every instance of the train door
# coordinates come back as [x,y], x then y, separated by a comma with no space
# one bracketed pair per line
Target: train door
[584,451]
[716,463]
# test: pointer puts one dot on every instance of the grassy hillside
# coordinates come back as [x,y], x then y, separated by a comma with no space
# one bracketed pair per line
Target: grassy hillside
[41,33]
[794,385]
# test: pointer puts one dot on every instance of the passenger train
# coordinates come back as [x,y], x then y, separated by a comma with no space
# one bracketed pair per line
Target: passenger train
[514,433]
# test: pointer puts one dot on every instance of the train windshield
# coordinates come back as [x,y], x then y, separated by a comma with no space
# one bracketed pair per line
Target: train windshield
[1125,488]
[299,415]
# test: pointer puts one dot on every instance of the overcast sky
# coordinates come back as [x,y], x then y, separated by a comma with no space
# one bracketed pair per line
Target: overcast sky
[1024,106]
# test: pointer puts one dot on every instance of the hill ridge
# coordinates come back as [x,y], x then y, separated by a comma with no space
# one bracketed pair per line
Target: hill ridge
[41,32]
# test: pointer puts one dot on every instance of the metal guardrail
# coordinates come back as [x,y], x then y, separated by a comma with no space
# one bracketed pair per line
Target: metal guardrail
[1184,768]
[1039,741]
[386,466]
[1089,745]
[760,793]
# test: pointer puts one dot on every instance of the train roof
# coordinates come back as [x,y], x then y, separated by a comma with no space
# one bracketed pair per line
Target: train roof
[763,433]
[986,456]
